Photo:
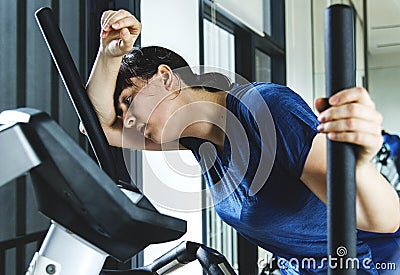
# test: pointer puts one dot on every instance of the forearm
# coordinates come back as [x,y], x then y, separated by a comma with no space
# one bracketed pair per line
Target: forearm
[377,203]
[101,87]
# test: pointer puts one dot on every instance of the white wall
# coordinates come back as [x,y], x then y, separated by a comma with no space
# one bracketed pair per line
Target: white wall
[318,14]
[305,47]
[384,83]
[173,24]
[299,67]
[384,69]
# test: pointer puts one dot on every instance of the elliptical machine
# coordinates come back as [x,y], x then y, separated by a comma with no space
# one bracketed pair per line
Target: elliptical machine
[93,214]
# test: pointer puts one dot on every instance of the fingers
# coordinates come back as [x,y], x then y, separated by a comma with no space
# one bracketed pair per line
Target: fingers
[351,125]
[350,116]
[359,138]
[351,110]
[348,104]
[126,42]
[356,94]
[117,20]
[128,22]
[104,18]
[120,44]
[346,123]
[119,32]
[352,95]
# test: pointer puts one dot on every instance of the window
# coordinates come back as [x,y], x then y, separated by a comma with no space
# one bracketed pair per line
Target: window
[263,66]
[176,173]
[257,57]
[219,52]
[29,78]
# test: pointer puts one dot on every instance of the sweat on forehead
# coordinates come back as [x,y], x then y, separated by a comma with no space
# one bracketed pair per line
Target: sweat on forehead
[143,63]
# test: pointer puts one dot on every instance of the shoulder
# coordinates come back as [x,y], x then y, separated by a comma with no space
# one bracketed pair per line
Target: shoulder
[267,89]
[279,100]
[258,92]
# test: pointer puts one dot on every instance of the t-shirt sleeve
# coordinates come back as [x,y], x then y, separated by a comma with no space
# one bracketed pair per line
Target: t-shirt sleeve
[295,127]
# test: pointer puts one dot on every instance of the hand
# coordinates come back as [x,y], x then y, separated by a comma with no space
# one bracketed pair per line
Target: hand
[119,31]
[352,118]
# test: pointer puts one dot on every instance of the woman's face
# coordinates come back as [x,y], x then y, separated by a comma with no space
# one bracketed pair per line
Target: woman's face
[147,106]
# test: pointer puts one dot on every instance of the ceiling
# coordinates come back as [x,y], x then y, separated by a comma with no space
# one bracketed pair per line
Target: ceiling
[384,26]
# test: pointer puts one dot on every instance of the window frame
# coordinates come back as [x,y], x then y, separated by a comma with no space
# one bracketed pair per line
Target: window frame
[246,42]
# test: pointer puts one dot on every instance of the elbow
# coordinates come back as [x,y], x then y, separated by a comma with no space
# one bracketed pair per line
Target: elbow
[391,228]
[388,228]
[394,229]
[384,223]
[391,223]
[395,222]
[396,225]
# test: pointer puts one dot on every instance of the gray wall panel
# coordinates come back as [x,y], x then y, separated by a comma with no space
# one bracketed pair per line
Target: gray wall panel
[10,262]
[7,211]
[38,82]
[34,84]
[8,56]
[35,221]
[71,30]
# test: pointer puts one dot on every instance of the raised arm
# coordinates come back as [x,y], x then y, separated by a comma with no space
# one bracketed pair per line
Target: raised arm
[354,119]
[119,31]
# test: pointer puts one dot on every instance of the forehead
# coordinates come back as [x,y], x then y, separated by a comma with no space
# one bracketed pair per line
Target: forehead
[138,82]
[137,85]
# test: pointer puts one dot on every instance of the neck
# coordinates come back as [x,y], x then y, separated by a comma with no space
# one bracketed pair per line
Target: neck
[205,115]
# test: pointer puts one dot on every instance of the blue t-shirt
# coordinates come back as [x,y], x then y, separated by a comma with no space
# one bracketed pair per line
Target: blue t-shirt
[255,181]
[394,144]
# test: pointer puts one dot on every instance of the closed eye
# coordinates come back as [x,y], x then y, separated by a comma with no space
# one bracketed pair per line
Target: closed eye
[127,100]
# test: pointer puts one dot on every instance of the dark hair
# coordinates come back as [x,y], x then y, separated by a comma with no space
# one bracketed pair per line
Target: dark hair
[144,62]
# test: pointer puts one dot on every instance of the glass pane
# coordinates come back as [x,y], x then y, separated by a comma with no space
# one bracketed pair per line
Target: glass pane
[263,66]
[219,52]
[249,14]
[267,16]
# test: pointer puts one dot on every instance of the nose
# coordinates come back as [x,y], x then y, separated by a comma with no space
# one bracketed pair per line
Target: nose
[129,121]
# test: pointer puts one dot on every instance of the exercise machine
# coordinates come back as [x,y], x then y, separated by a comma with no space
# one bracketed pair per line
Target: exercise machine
[93,214]
[92,217]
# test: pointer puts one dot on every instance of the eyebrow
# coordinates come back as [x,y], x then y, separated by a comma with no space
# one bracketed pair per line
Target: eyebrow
[123,94]
[126,92]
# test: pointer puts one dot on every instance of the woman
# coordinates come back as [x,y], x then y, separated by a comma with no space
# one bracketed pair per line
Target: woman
[261,148]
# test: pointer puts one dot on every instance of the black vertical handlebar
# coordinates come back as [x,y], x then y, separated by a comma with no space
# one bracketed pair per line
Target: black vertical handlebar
[340,74]
[76,90]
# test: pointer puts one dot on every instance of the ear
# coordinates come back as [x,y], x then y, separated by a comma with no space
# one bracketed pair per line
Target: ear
[167,76]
